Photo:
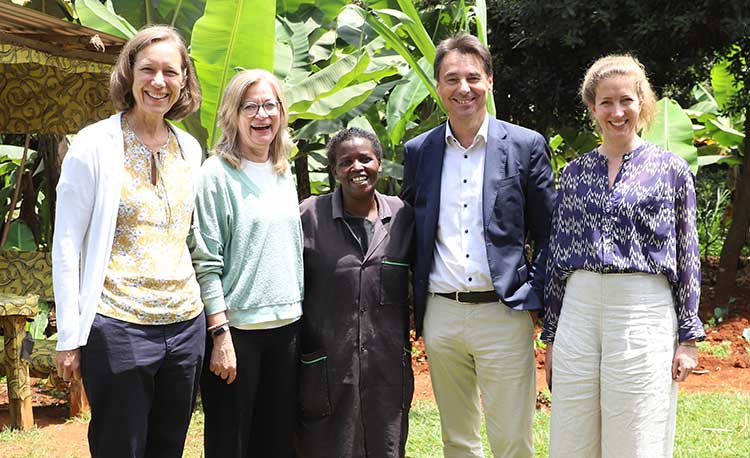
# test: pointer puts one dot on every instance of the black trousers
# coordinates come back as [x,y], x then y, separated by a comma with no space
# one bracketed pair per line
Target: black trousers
[141,382]
[255,416]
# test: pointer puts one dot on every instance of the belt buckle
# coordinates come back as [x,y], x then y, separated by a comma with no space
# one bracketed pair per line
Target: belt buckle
[459,301]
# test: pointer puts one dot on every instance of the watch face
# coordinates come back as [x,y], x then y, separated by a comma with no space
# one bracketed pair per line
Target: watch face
[219,331]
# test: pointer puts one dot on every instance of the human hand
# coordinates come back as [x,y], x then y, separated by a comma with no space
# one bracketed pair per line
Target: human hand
[684,361]
[223,360]
[548,365]
[68,363]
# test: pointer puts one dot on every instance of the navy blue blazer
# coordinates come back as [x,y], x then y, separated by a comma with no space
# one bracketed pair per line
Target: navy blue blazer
[517,199]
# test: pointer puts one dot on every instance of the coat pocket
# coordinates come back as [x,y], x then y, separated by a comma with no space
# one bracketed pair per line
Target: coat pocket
[394,282]
[313,385]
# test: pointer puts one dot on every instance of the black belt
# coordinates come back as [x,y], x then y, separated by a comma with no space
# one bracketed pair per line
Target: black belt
[471,297]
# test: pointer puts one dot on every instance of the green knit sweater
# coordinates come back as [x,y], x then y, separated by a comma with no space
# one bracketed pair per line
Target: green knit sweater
[248,252]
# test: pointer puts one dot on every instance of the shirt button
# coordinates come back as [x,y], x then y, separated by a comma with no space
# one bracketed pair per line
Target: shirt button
[466,231]
[464,180]
[469,278]
[466,156]
[362,348]
[467,256]
[465,205]
[363,309]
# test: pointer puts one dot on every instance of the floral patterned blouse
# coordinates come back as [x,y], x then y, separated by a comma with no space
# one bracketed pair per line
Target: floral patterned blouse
[645,223]
[150,278]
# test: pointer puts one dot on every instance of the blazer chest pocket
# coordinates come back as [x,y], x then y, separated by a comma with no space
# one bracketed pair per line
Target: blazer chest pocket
[394,282]
[509,201]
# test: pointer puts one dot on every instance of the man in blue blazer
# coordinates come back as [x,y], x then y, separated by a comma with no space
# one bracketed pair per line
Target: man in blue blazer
[482,192]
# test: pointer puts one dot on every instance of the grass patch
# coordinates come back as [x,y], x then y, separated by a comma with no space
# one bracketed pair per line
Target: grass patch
[715,425]
[83,417]
[722,350]
[708,425]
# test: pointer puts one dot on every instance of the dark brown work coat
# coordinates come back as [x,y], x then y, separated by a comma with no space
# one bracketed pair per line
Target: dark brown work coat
[356,381]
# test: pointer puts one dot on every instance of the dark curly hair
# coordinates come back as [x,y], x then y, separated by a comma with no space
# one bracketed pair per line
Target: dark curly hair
[348,134]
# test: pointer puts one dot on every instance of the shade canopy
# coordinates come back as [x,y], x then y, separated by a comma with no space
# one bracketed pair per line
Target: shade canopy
[54,75]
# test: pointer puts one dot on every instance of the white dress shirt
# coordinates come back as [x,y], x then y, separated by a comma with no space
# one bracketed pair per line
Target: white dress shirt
[460,261]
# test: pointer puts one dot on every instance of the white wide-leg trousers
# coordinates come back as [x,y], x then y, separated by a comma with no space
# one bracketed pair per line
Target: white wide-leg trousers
[612,390]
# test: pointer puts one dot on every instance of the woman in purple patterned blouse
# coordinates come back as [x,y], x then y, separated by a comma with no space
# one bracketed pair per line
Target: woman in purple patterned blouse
[623,280]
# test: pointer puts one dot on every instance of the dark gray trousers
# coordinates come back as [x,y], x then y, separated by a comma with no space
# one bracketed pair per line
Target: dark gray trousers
[141,382]
[255,416]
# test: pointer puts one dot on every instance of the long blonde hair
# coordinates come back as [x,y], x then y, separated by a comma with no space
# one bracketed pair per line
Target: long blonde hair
[228,146]
[621,64]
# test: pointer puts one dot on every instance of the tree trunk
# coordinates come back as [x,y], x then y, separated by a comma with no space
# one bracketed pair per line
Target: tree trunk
[303,177]
[726,280]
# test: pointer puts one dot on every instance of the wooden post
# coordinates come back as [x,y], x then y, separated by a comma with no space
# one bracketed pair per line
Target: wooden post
[19,387]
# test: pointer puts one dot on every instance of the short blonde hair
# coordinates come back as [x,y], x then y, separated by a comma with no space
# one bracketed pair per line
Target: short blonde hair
[121,80]
[228,146]
[616,65]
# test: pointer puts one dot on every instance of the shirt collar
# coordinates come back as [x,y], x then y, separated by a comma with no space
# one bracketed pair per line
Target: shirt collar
[481,133]
[337,205]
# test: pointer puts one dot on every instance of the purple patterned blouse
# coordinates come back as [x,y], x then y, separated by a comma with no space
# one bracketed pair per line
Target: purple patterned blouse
[645,223]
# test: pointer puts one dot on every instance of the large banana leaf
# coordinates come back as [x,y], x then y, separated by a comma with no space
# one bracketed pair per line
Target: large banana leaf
[329,80]
[337,103]
[395,42]
[292,51]
[329,8]
[416,30]
[322,48]
[403,101]
[723,84]
[103,17]
[673,131]
[480,15]
[230,34]
[181,14]
[724,133]
[380,67]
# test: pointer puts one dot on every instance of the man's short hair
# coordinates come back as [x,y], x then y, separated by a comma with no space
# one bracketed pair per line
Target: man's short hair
[465,44]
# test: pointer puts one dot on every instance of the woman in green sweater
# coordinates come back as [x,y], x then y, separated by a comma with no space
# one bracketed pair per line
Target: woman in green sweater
[248,262]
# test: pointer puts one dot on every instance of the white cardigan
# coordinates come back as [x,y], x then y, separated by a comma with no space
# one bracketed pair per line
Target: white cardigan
[88,196]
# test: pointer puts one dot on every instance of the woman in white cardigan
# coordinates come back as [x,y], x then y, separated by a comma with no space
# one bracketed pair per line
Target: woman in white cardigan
[130,319]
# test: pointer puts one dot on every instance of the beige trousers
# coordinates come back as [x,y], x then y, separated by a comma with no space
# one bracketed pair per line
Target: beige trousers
[612,390]
[487,349]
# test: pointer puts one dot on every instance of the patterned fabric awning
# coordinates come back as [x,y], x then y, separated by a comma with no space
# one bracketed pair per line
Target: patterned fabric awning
[52,81]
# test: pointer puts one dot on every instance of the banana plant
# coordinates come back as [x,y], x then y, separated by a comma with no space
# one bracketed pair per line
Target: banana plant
[231,34]
[673,131]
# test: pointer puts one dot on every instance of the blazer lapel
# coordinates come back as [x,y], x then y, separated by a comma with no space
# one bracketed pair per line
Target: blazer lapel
[495,166]
[432,167]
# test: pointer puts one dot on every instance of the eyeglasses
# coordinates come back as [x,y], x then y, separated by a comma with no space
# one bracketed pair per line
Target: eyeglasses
[251,109]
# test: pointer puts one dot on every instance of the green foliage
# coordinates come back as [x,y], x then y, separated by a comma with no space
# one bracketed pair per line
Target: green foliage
[712,198]
[221,43]
[20,237]
[103,17]
[722,350]
[673,131]
[37,327]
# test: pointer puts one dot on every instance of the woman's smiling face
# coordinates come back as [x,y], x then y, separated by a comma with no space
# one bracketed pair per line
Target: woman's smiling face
[617,108]
[158,78]
[258,130]
[357,168]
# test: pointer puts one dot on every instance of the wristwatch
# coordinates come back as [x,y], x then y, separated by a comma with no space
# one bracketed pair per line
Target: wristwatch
[220,330]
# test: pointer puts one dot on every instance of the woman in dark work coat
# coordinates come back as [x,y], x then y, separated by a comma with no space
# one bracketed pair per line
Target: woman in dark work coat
[356,381]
